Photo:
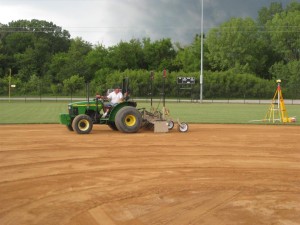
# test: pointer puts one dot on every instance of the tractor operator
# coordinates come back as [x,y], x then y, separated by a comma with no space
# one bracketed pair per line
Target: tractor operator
[114,98]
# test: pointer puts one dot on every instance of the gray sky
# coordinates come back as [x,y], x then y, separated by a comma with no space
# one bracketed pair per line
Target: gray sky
[108,22]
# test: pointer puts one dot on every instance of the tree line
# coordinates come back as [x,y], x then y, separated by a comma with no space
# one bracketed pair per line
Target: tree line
[242,57]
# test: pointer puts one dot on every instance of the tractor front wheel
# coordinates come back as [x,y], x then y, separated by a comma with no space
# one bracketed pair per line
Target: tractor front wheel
[128,120]
[82,124]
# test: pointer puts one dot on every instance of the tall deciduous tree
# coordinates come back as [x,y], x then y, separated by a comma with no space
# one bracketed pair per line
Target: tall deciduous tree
[126,55]
[188,58]
[97,58]
[159,54]
[73,84]
[29,45]
[265,14]
[63,65]
[237,44]
[285,37]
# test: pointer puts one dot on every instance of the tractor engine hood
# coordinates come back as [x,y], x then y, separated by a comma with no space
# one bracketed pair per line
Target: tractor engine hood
[76,108]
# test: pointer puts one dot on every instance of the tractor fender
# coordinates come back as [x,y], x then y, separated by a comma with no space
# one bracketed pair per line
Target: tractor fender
[119,106]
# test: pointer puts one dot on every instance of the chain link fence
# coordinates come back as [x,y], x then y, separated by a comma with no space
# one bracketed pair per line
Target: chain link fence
[212,92]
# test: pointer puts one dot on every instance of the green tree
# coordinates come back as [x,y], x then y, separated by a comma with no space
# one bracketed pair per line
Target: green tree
[284,33]
[56,89]
[58,68]
[29,46]
[266,14]
[73,84]
[99,84]
[97,58]
[33,86]
[64,64]
[41,29]
[237,44]
[229,84]
[159,55]
[293,6]
[126,55]
[188,58]
[77,53]
[289,74]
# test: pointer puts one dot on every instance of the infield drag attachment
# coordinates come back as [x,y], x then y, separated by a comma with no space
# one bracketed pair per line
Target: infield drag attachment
[160,122]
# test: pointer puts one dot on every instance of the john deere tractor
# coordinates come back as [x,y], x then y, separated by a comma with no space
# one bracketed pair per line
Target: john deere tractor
[124,117]
[83,115]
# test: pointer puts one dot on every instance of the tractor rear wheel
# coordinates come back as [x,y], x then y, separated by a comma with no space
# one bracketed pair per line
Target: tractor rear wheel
[128,120]
[82,124]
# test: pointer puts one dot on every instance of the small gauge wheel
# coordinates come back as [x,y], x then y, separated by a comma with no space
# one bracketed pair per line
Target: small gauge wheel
[183,127]
[170,124]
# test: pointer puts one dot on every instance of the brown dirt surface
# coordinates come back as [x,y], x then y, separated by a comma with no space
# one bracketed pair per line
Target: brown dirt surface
[213,174]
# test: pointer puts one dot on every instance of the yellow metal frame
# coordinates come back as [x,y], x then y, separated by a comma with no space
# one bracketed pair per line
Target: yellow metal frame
[277,110]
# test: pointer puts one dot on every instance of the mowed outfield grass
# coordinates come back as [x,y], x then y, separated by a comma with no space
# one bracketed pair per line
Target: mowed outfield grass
[17,112]
[31,112]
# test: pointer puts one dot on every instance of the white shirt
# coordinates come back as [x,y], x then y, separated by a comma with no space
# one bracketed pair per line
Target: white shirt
[115,98]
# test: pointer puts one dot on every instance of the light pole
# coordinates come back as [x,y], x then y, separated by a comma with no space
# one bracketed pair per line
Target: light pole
[201,66]
[9,81]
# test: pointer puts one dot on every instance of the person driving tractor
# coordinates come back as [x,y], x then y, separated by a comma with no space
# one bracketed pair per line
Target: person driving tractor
[114,98]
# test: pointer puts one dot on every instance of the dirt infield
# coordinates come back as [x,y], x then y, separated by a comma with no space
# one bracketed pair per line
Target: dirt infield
[214,174]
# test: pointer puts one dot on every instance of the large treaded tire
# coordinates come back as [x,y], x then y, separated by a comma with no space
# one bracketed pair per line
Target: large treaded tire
[82,124]
[128,120]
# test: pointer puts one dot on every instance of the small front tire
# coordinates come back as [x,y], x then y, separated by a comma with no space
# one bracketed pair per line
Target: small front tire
[82,124]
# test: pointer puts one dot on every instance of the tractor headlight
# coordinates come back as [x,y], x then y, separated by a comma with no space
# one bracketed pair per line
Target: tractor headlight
[70,110]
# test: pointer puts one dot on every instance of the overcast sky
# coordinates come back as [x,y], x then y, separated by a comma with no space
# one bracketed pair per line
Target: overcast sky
[108,22]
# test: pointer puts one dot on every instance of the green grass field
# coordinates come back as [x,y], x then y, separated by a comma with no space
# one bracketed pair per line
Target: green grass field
[48,112]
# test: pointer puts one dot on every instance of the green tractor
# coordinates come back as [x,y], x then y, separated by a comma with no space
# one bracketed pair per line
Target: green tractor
[124,116]
[83,115]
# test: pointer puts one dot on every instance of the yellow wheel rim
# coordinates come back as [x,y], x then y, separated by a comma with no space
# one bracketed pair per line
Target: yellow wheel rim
[83,125]
[130,120]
